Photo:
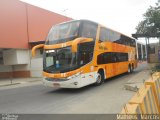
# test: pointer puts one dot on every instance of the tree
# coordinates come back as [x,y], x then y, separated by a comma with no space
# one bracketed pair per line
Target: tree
[151,23]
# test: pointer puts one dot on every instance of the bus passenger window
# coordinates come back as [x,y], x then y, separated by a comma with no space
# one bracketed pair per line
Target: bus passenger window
[89,30]
[73,29]
[100,59]
[103,35]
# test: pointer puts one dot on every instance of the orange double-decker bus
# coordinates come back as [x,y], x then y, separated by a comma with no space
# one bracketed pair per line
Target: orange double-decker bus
[81,52]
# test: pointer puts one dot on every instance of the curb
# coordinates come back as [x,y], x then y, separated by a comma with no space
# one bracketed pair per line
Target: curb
[9,84]
[23,82]
[34,81]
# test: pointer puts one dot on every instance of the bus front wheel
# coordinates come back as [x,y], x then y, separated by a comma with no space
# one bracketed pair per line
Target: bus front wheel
[100,78]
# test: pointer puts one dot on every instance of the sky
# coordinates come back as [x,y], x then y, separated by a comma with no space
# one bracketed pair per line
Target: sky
[120,15]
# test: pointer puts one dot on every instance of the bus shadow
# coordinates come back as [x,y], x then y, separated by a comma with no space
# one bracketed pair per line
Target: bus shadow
[73,90]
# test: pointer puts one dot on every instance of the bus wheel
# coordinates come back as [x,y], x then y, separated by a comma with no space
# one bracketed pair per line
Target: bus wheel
[129,69]
[100,78]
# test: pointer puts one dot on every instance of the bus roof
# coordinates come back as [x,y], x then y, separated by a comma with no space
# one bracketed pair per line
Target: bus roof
[117,31]
[77,20]
[97,24]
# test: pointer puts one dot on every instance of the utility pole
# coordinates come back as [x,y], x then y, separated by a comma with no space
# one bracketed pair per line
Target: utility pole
[12,74]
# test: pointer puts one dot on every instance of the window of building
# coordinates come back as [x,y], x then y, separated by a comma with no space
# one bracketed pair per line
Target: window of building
[1,57]
[152,49]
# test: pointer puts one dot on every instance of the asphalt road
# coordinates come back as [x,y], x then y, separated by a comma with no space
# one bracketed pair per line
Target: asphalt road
[110,97]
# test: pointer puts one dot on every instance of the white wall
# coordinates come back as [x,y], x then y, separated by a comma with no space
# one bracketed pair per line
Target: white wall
[10,57]
[5,68]
[15,60]
[25,67]
[36,67]
[23,56]
[21,60]
[16,56]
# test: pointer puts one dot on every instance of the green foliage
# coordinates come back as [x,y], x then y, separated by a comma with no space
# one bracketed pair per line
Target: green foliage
[151,23]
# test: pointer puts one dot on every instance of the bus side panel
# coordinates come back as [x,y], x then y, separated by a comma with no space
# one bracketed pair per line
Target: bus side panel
[121,67]
[109,70]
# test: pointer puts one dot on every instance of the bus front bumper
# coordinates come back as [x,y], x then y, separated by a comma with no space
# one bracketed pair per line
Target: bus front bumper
[71,82]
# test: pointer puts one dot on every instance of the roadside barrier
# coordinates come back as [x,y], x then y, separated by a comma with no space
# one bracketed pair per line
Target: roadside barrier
[147,98]
[131,109]
[144,97]
[155,84]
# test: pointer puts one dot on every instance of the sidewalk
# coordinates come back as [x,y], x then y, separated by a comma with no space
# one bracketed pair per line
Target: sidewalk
[135,82]
[15,81]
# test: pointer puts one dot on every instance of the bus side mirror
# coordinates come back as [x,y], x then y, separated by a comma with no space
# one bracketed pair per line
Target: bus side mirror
[79,40]
[36,47]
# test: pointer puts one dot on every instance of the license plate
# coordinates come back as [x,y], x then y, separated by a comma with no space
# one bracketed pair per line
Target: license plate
[56,84]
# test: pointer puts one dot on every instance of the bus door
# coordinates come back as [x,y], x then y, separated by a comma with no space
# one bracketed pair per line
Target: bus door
[108,61]
[109,70]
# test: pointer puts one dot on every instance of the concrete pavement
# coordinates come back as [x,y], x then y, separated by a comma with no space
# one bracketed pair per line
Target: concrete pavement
[14,81]
[135,82]
[34,98]
[18,82]
[38,99]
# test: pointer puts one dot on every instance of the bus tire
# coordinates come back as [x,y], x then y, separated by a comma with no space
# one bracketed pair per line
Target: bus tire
[129,69]
[100,78]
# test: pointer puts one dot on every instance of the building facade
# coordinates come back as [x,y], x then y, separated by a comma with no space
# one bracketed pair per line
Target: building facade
[154,53]
[21,26]
[141,51]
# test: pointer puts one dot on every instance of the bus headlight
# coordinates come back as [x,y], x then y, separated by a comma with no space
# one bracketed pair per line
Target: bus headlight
[75,75]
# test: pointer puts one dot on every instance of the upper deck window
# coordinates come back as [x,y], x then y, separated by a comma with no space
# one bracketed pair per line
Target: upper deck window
[88,30]
[71,30]
[63,32]
[110,35]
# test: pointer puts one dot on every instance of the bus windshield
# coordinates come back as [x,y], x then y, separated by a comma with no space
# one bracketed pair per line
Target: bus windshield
[59,60]
[63,32]
[63,59]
